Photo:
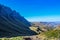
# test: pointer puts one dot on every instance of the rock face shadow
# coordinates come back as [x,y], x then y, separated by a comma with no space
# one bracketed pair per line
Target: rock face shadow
[12,24]
[27,39]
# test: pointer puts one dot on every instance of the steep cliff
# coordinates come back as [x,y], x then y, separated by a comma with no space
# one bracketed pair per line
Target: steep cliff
[13,24]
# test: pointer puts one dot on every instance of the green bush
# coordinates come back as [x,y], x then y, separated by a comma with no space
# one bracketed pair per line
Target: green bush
[13,38]
[53,33]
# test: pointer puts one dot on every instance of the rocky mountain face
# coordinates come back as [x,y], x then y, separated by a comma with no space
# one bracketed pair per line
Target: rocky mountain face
[13,24]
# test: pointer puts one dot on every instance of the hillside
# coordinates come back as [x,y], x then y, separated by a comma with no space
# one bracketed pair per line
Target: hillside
[13,24]
[46,32]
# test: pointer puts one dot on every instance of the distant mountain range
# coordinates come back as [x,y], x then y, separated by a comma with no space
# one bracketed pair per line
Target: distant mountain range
[54,24]
[50,23]
[13,24]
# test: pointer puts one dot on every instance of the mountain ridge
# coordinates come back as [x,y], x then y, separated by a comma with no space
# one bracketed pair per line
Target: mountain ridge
[13,24]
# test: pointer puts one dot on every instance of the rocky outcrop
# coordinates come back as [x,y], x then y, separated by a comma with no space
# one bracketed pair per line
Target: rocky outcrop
[13,24]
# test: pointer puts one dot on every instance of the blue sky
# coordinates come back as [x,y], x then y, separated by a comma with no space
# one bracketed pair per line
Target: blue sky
[36,10]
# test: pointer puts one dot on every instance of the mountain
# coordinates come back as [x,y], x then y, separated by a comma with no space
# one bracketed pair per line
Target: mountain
[45,26]
[54,24]
[13,24]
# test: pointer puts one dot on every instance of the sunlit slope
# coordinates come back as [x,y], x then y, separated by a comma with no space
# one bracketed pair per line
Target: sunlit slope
[50,35]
